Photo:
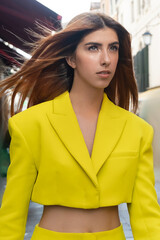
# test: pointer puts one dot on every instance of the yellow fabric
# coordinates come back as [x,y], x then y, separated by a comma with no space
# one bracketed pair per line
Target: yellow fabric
[44,234]
[50,164]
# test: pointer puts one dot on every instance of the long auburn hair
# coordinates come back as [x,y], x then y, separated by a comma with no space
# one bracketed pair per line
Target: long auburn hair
[46,74]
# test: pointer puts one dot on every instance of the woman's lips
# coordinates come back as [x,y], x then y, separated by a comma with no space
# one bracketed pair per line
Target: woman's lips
[104,74]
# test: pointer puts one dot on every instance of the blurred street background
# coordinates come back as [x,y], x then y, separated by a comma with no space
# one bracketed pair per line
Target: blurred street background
[142,20]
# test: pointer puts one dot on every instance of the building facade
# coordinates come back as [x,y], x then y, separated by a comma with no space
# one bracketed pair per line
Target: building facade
[105,7]
[139,17]
[95,6]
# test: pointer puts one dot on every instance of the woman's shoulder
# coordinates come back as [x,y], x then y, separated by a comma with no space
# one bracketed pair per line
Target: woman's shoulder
[134,120]
[32,114]
[37,111]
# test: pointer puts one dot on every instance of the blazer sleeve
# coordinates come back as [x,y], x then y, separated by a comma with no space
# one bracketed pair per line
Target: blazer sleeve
[144,209]
[21,176]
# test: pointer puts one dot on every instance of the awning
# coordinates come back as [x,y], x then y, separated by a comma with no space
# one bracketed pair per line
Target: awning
[18,15]
[10,56]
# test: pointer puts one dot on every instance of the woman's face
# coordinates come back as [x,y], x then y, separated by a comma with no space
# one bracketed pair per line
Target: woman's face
[95,59]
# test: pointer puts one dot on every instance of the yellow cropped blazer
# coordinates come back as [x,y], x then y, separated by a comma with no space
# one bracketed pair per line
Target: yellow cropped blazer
[50,165]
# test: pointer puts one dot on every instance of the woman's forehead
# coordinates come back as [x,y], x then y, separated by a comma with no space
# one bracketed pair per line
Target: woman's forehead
[101,35]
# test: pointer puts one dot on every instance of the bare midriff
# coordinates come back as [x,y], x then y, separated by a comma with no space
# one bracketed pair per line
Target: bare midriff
[78,220]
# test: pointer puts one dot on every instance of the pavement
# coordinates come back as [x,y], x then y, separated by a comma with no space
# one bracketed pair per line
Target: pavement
[35,210]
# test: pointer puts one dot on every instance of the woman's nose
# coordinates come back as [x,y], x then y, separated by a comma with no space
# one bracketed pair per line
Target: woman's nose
[105,58]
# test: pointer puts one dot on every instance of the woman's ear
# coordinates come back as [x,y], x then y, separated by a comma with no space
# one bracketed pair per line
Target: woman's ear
[71,61]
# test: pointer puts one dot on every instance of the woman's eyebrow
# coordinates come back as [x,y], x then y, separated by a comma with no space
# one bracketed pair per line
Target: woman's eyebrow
[114,43]
[93,43]
[100,44]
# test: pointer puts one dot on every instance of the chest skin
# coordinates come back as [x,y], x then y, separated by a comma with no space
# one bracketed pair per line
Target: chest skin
[88,129]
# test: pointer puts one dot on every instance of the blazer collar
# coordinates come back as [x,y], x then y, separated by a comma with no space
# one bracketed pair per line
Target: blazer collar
[110,126]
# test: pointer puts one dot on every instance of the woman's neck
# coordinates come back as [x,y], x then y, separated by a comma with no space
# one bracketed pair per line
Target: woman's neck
[86,102]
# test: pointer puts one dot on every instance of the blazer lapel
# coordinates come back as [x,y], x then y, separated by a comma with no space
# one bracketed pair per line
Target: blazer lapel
[65,123]
[109,130]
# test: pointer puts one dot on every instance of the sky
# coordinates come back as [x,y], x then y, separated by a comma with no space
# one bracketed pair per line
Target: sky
[68,8]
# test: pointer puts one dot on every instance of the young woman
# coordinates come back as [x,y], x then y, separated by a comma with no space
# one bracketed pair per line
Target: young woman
[78,150]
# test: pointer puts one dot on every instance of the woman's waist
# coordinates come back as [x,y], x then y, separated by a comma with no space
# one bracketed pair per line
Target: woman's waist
[67,219]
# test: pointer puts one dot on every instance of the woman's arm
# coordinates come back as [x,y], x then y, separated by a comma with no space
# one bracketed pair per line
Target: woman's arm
[21,176]
[144,209]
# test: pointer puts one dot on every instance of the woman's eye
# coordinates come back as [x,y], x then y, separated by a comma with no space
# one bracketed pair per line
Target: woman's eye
[93,48]
[114,48]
